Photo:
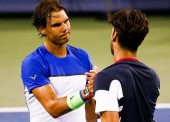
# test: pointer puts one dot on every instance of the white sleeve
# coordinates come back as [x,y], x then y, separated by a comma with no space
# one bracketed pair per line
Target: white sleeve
[108,100]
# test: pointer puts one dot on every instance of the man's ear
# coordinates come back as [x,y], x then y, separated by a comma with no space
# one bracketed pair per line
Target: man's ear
[42,31]
[114,36]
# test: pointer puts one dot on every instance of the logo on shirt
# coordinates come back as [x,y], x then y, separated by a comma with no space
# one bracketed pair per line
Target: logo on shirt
[33,77]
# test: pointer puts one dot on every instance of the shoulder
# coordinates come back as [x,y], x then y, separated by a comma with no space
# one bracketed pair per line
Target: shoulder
[115,69]
[81,56]
[79,53]
[35,57]
[114,72]
[77,50]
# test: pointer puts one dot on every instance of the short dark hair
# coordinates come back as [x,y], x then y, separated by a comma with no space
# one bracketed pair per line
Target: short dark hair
[43,10]
[131,26]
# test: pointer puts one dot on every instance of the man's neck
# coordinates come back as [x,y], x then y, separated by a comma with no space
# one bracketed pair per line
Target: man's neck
[124,54]
[57,50]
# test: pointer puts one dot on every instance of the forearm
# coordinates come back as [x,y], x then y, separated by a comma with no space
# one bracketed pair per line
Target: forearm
[64,105]
[47,96]
[109,116]
[57,107]
[91,116]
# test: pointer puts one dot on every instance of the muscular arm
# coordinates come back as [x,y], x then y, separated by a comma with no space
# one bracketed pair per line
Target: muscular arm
[91,116]
[109,116]
[53,105]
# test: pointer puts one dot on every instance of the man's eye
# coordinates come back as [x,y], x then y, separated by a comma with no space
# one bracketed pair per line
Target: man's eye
[66,21]
[56,25]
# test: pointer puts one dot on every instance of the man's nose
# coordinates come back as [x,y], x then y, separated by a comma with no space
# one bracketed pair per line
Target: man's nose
[64,26]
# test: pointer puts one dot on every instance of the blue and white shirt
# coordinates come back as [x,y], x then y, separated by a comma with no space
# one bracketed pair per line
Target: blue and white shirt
[65,74]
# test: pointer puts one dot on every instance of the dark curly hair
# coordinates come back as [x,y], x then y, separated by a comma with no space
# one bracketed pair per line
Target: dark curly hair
[43,11]
[131,26]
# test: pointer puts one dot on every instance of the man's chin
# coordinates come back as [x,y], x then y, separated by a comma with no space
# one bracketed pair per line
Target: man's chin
[64,41]
[61,42]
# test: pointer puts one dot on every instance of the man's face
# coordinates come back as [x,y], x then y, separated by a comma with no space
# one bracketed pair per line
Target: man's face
[58,28]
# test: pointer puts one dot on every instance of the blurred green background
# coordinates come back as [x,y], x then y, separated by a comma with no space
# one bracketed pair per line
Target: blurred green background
[19,38]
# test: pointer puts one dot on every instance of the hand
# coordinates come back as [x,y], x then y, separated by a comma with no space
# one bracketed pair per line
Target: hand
[92,73]
[90,78]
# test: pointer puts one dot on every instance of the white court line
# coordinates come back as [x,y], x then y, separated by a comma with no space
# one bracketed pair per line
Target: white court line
[163,105]
[13,109]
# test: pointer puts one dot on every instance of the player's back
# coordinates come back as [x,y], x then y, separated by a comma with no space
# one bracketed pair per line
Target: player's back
[140,85]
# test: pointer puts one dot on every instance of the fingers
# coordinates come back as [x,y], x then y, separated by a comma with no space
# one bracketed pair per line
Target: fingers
[92,73]
[96,69]
[90,88]
[90,78]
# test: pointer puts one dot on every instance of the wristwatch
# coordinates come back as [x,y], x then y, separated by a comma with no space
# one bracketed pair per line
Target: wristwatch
[86,92]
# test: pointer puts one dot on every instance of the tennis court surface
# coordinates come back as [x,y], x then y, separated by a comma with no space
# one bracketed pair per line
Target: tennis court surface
[162,114]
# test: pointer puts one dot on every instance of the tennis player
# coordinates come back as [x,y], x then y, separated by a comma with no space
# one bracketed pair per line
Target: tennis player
[55,75]
[127,90]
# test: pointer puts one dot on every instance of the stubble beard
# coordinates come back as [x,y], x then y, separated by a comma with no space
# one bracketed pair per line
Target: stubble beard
[61,42]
